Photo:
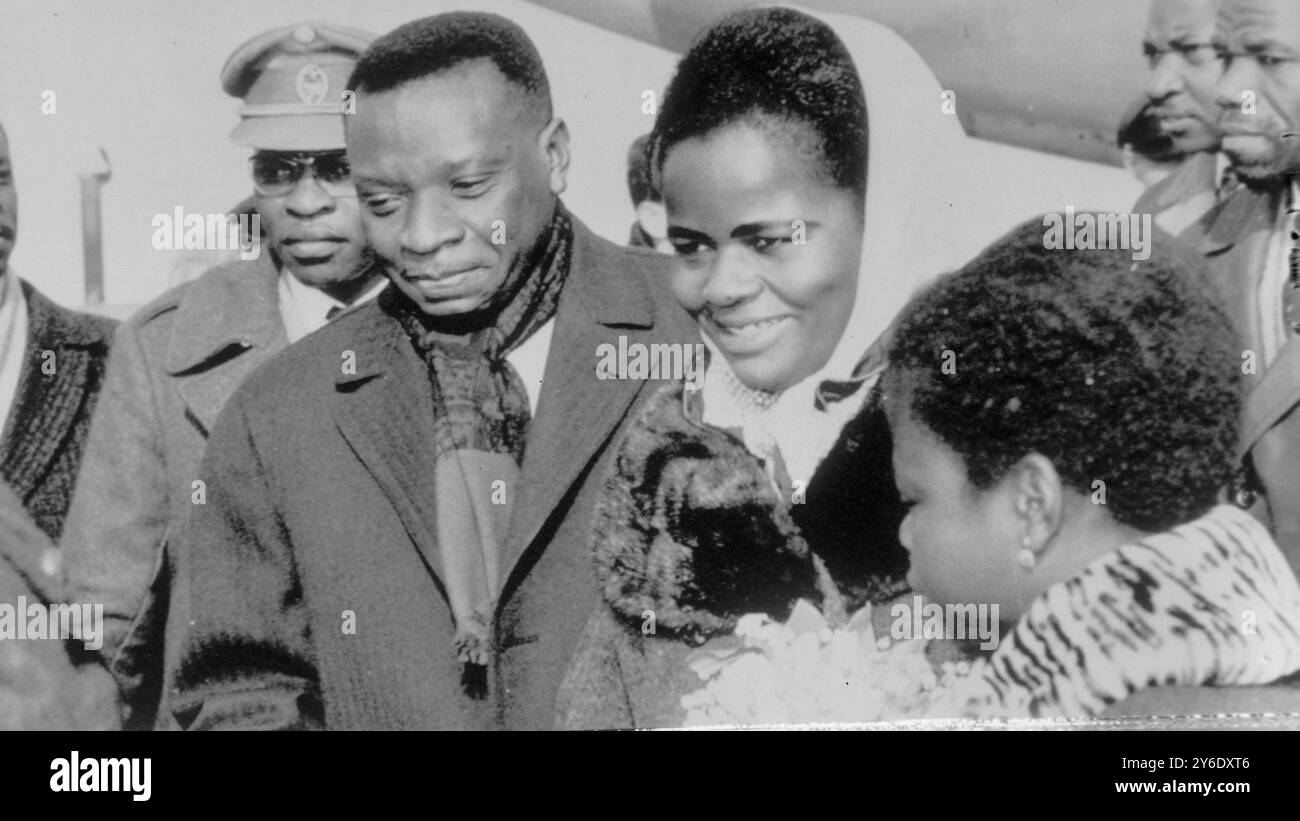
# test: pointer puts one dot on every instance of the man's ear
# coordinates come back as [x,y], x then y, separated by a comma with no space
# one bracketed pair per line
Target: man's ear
[1039,499]
[554,141]
[653,219]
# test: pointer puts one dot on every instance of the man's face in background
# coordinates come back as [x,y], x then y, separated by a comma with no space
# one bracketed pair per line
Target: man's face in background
[1260,91]
[309,210]
[457,174]
[8,205]
[1184,72]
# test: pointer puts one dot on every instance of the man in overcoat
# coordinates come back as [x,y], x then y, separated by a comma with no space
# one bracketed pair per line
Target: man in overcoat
[396,532]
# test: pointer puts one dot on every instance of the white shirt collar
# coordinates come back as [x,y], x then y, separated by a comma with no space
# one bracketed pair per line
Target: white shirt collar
[13,340]
[304,309]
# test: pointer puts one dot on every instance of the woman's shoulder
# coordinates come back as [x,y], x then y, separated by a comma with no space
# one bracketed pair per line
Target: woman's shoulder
[1210,602]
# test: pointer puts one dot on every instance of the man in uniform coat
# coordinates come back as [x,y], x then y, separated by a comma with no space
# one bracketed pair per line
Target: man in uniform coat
[179,358]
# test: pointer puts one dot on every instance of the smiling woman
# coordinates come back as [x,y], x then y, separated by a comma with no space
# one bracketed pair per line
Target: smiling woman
[794,171]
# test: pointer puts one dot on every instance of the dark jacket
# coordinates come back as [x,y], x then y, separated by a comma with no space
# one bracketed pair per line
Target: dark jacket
[1234,238]
[42,687]
[315,591]
[44,436]
[689,535]
[174,365]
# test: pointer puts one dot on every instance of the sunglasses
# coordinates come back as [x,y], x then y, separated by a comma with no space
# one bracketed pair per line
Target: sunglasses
[276,174]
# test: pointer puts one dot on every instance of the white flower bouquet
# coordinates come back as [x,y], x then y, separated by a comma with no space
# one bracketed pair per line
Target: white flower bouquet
[805,672]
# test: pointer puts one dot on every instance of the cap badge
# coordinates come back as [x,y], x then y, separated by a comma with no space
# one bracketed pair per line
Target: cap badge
[312,84]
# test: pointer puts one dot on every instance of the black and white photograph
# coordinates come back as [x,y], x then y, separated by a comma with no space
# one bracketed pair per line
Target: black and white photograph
[512,365]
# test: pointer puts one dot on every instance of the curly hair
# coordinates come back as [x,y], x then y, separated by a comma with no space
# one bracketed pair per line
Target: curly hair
[432,44]
[771,68]
[1115,370]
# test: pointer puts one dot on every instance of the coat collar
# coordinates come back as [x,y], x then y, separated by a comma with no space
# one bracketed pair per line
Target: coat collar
[1244,224]
[598,289]
[601,286]
[1184,181]
[1274,394]
[1245,212]
[232,305]
[576,415]
[55,326]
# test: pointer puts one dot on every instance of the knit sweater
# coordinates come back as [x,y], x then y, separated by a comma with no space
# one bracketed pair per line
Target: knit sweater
[42,440]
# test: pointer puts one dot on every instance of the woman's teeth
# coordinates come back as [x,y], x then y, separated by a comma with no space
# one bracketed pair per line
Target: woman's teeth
[748,327]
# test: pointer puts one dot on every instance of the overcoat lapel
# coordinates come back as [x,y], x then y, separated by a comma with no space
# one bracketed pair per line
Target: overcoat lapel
[1235,243]
[1275,394]
[577,413]
[385,412]
[1240,233]
[226,326]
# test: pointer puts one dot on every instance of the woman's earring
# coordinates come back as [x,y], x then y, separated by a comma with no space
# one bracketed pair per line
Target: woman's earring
[1025,556]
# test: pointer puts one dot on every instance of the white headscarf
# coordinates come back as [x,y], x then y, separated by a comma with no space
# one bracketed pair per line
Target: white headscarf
[915,160]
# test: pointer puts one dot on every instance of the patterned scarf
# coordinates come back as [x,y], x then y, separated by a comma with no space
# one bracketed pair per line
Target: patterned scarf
[1212,602]
[481,417]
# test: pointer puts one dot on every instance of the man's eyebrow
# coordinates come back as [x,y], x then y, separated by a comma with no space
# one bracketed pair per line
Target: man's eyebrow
[749,229]
[486,163]
[679,232]
[1263,44]
[379,182]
